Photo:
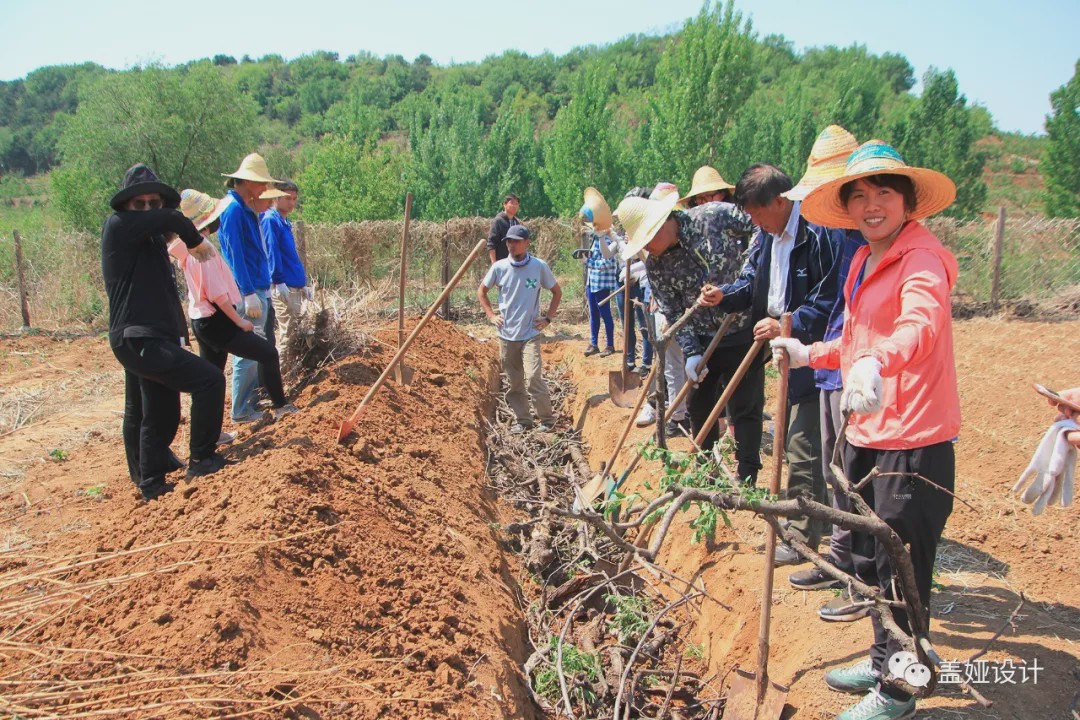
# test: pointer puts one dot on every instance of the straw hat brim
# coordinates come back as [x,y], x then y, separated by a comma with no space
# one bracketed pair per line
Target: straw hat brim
[711,186]
[655,218]
[245,174]
[272,194]
[170,198]
[934,191]
[816,177]
[601,210]
[219,208]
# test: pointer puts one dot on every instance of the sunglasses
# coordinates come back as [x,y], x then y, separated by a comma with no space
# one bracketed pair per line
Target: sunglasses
[146,204]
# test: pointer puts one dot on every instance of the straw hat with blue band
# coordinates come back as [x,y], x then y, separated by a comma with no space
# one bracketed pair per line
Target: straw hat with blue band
[642,219]
[595,210]
[934,191]
[828,158]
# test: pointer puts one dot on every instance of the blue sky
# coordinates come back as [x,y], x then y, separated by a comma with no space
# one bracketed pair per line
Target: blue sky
[1008,56]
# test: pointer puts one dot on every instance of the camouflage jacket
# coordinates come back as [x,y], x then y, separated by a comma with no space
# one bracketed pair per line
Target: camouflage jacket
[713,240]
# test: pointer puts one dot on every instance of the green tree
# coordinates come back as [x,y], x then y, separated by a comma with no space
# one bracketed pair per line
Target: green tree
[702,79]
[586,146]
[940,133]
[1061,157]
[188,126]
[348,181]
[512,153]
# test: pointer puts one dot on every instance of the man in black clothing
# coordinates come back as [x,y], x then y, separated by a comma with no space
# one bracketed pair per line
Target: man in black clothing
[146,328]
[505,220]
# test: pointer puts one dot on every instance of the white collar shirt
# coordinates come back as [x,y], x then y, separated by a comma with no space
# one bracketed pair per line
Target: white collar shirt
[781,262]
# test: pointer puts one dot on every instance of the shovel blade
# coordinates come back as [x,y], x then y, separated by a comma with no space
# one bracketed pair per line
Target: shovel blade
[403,375]
[623,387]
[592,491]
[742,700]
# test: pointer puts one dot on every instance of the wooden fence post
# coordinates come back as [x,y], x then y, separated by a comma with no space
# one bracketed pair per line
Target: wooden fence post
[446,268]
[301,240]
[22,281]
[999,249]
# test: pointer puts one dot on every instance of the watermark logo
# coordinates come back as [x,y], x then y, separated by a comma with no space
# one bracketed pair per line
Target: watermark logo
[975,672]
[906,665]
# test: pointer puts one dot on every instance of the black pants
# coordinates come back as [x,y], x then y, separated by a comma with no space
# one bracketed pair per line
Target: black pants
[912,508]
[156,372]
[743,410]
[218,337]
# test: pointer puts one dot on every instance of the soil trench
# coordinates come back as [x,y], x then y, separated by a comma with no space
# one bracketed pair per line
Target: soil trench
[311,579]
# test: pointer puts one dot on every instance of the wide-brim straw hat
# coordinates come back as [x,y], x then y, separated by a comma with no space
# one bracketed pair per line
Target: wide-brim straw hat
[200,208]
[272,194]
[707,179]
[141,180]
[934,191]
[252,168]
[601,211]
[642,219]
[828,158]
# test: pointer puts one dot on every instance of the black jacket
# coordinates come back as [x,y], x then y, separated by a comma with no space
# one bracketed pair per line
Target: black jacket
[809,297]
[496,236]
[139,279]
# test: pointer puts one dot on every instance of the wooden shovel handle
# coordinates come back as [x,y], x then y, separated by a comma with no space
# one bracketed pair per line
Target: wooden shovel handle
[403,272]
[348,424]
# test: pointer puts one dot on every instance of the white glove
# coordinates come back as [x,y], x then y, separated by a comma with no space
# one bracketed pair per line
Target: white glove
[1052,470]
[203,251]
[282,291]
[862,388]
[798,354]
[309,293]
[637,271]
[695,370]
[252,307]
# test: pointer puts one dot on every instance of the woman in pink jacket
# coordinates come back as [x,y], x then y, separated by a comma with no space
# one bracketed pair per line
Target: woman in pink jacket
[896,358]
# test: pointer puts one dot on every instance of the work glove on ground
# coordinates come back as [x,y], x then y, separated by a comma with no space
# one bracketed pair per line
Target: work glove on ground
[696,370]
[309,293]
[282,291]
[252,307]
[1051,471]
[203,251]
[862,388]
[798,354]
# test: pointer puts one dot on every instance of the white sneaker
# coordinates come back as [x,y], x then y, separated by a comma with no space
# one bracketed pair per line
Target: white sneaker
[226,438]
[646,417]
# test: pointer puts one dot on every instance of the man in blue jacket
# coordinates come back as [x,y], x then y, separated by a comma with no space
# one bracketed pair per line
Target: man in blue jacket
[287,274]
[791,267]
[244,252]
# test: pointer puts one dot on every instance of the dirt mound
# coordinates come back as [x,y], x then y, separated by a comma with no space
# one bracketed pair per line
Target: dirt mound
[326,580]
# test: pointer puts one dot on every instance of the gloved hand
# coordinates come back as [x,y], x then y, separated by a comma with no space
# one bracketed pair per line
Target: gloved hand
[203,251]
[695,369]
[637,271]
[309,293]
[1051,471]
[798,354]
[586,213]
[862,387]
[252,306]
[282,291]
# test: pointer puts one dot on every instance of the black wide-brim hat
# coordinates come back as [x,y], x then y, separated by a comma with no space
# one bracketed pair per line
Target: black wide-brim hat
[141,180]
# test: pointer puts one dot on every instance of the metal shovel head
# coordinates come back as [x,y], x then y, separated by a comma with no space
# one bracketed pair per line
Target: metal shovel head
[742,701]
[403,375]
[591,492]
[623,387]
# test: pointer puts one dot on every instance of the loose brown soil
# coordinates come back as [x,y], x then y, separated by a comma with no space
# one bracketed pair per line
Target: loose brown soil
[390,596]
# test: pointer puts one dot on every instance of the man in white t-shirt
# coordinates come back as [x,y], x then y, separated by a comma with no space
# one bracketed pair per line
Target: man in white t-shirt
[520,277]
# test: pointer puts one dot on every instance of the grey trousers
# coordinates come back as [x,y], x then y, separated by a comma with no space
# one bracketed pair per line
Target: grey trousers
[521,363]
[840,544]
[805,475]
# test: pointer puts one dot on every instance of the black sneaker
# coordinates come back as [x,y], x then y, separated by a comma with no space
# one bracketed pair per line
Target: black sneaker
[175,463]
[644,371]
[844,608]
[591,350]
[155,489]
[608,351]
[206,466]
[814,579]
[677,428]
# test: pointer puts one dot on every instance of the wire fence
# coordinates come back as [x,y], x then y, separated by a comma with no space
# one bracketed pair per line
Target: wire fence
[1036,262]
